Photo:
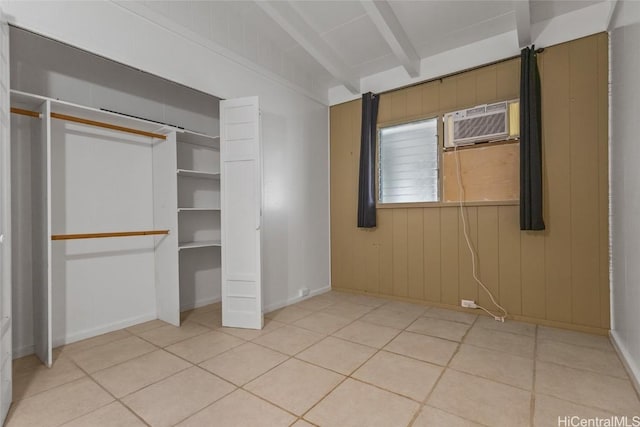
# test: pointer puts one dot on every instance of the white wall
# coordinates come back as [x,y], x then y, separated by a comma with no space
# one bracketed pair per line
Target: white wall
[625,184]
[295,127]
[101,181]
[21,225]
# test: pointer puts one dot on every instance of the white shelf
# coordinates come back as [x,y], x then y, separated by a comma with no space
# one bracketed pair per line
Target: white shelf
[198,209]
[204,244]
[199,174]
[195,138]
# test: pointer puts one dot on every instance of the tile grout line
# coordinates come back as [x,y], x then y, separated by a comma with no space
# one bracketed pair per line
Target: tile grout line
[239,388]
[116,399]
[289,357]
[472,345]
[242,387]
[119,400]
[179,341]
[85,372]
[208,405]
[435,384]
[345,377]
[378,350]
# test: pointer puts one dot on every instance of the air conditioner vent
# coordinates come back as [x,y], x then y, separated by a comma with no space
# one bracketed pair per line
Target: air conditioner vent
[477,110]
[482,123]
[500,106]
[487,124]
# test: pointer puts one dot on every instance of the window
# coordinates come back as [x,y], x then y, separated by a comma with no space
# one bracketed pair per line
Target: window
[408,162]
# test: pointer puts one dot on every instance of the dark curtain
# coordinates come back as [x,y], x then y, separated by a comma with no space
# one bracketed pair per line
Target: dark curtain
[367,175]
[530,143]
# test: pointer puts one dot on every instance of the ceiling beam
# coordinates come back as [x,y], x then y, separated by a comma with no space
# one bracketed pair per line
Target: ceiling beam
[294,24]
[523,22]
[385,20]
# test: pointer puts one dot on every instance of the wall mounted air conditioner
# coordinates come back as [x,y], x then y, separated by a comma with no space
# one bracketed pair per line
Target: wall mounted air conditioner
[482,123]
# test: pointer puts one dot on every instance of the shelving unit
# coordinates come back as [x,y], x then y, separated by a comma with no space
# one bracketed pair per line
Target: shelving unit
[198,184]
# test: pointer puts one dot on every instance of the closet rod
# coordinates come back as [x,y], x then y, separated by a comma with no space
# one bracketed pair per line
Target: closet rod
[89,122]
[25,112]
[106,125]
[102,235]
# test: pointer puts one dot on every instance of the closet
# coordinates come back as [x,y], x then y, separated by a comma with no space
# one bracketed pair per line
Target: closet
[108,219]
[124,198]
[110,210]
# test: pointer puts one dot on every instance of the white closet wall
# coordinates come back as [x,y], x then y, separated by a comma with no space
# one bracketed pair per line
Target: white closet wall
[101,181]
[22,129]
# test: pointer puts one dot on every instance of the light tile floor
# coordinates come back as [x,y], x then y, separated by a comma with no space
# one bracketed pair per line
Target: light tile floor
[332,360]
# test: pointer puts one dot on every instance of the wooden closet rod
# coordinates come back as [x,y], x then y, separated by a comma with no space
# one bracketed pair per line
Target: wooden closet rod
[25,112]
[102,235]
[106,125]
[89,122]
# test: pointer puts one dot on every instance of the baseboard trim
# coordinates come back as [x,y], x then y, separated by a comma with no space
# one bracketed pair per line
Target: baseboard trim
[536,321]
[200,303]
[629,364]
[271,307]
[90,333]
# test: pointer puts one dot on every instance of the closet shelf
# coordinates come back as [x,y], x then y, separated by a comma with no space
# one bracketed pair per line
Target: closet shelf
[199,174]
[195,138]
[198,209]
[203,244]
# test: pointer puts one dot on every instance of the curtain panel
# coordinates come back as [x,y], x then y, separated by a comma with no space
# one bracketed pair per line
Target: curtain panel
[367,172]
[530,143]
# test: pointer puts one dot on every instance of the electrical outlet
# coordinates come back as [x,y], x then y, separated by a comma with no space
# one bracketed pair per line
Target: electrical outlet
[304,292]
[467,303]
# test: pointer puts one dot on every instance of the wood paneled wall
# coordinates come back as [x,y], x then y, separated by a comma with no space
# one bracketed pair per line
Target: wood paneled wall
[559,276]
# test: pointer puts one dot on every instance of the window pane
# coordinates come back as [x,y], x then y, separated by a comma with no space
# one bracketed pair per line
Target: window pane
[409,162]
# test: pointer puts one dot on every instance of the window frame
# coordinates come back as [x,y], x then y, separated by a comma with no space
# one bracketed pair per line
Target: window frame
[439,143]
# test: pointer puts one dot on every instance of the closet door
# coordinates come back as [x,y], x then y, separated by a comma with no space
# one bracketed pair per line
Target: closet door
[5,225]
[241,190]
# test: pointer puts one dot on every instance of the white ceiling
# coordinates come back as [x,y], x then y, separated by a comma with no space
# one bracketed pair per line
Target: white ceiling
[317,45]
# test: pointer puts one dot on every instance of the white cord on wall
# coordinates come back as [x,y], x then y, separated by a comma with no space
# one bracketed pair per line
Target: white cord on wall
[461,197]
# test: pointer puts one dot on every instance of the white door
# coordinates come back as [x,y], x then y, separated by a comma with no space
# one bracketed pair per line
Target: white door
[5,226]
[241,206]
